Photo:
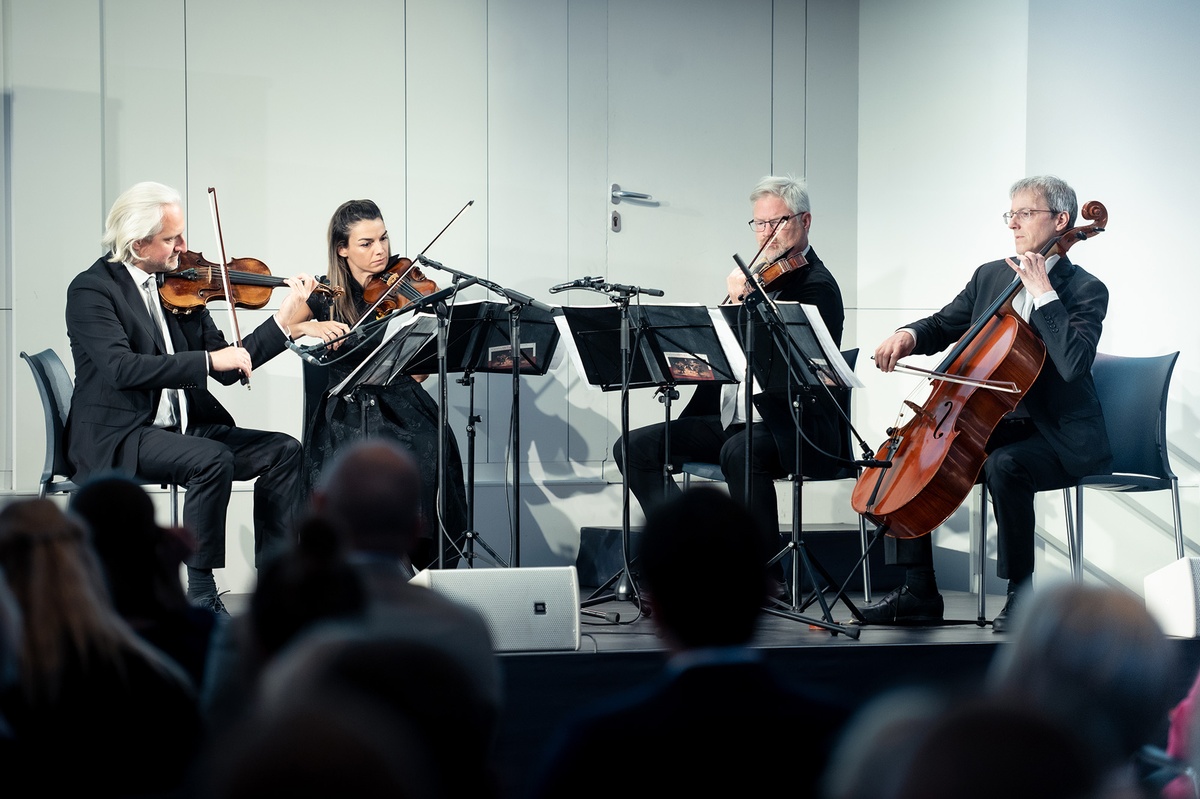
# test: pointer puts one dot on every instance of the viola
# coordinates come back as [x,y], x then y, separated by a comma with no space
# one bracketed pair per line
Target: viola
[198,281]
[937,456]
[401,284]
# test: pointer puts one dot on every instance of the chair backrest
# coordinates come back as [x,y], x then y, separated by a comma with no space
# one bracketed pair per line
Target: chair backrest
[55,387]
[846,449]
[1133,394]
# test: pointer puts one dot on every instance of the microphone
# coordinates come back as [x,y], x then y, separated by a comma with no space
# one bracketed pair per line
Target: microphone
[581,283]
[430,262]
[303,353]
[626,289]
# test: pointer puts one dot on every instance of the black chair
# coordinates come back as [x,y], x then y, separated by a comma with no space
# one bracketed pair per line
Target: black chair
[712,471]
[1133,394]
[55,387]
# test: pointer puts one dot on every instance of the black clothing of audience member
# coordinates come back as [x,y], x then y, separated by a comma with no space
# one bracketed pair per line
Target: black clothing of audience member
[96,711]
[141,563]
[707,720]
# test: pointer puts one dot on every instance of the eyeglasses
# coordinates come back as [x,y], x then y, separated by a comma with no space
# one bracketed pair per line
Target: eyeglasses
[1025,214]
[770,223]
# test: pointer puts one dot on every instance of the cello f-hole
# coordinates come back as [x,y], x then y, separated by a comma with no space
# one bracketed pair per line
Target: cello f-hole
[947,413]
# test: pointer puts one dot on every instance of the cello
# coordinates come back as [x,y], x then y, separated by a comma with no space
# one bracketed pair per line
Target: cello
[936,457]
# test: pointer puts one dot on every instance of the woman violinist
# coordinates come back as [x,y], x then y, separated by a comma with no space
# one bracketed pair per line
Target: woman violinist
[359,255]
[1055,434]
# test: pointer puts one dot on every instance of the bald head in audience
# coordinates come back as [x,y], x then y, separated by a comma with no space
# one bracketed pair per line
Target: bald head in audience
[372,493]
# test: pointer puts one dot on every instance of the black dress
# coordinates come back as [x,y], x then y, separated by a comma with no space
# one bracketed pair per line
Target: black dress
[402,411]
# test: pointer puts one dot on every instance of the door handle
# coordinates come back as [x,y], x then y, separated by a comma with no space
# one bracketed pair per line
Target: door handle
[618,194]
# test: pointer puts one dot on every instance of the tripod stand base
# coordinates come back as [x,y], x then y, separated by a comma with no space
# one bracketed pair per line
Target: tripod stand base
[850,631]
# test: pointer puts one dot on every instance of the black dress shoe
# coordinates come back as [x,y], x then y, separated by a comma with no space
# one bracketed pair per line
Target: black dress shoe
[211,602]
[903,607]
[1003,619]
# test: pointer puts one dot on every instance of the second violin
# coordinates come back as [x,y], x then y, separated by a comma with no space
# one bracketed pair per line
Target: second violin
[397,286]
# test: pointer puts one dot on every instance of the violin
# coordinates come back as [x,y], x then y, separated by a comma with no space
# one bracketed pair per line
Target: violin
[198,281]
[773,272]
[936,457]
[401,284]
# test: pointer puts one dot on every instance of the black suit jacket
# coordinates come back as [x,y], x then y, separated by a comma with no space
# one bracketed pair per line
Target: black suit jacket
[1062,401]
[814,285]
[120,371]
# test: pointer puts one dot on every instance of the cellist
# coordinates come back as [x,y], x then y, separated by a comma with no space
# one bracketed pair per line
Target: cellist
[1054,435]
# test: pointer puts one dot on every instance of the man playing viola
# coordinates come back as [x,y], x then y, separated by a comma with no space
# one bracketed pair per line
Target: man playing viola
[140,405]
[712,427]
[1055,434]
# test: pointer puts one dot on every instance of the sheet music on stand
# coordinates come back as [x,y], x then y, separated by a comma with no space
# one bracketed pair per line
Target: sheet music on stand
[807,330]
[679,344]
[479,340]
[402,338]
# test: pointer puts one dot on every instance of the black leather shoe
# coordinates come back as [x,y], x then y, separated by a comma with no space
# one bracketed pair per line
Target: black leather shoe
[778,589]
[1003,619]
[211,602]
[902,607]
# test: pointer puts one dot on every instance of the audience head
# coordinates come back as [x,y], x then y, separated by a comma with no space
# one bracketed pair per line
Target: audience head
[140,559]
[884,731]
[1093,658]
[56,580]
[372,494]
[319,747]
[1037,757]
[678,566]
[921,743]
[388,712]
[310,582]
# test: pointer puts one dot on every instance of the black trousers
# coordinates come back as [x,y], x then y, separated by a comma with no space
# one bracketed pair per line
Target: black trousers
[1020,463]
[206,461]
[701,438]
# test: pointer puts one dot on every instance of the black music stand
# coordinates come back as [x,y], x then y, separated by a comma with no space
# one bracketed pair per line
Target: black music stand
[480,339]
[802,357]
[670,345]
[405,339]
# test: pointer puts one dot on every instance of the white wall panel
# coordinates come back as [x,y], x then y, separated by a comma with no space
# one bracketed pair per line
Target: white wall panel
[52,51]
[1119,91]
[942,137]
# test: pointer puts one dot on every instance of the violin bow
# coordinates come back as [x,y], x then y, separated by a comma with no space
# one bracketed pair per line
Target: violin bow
[765,245]
[216,217]
[396,283]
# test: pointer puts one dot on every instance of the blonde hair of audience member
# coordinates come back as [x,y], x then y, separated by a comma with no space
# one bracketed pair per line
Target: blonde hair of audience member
[1093,658]
[67,614]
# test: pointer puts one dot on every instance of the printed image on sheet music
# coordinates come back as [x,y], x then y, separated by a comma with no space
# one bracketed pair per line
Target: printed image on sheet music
[501,357]
[689,366]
